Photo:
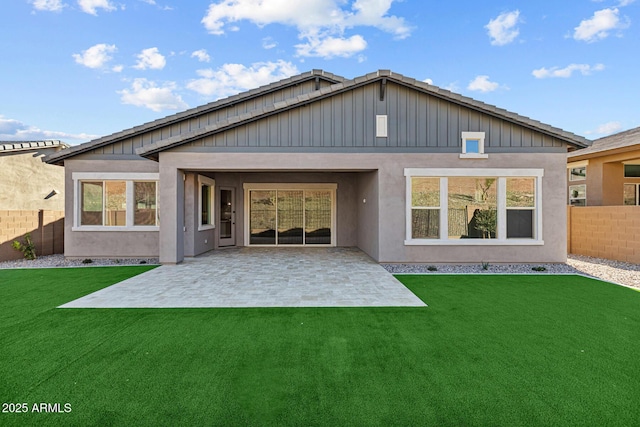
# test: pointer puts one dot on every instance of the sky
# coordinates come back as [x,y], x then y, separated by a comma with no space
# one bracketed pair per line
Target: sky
[76,70]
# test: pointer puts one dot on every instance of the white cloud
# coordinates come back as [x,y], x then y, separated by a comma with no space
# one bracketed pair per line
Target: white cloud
[146,93]
[15,130]
[117,68]
[153,3]
[234,78]
[49,5]
[566,72]
[428,81]
[150,58]
[503,29]
[605,129]
[268,43]
[316,20]
[202,55]
[625,2]
[91,6]
[331,47]
[96,56]
[599,25]
[453,87]
[482,84]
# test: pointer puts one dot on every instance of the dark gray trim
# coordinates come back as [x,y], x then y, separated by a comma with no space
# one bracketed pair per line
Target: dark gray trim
[359,150]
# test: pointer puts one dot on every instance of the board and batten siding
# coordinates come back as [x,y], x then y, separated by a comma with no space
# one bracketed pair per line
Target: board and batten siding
[129,145]
[347,120]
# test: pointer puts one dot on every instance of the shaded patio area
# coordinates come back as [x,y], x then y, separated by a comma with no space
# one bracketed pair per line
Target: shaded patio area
[260,277]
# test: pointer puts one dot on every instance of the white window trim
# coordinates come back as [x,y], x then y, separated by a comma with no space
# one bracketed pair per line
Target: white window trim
[247,187]
[475,136]
[129,178]
[203,180]
[501,231]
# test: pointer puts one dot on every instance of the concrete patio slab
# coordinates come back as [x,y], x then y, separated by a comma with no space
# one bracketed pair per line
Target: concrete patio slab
[260,277]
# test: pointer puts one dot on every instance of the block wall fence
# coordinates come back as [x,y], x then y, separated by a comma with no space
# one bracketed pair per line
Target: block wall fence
[610,232]
[46,229]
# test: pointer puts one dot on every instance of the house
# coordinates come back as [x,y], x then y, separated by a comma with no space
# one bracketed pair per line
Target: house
[404,170]
[26,182]
[607,173]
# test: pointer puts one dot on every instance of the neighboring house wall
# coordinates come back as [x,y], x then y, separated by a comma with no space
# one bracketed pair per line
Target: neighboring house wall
[45,227]
[610,232]
[25,180]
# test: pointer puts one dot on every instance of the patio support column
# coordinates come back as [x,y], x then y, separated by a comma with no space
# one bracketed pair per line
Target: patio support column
[171,214]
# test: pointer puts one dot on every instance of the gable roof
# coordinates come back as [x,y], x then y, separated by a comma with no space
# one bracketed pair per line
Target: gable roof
[13,146]
[315,74]
[628,140]
[340,85]
[151,150]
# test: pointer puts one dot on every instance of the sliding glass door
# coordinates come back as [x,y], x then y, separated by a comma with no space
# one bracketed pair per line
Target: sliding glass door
[290,217]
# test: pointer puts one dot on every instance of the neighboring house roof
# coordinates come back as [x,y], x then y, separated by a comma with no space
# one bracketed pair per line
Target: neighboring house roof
[628,140]
[195,112]
[13,146]
[341,85]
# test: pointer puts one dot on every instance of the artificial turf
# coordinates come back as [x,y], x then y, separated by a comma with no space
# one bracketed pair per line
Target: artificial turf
[488,350]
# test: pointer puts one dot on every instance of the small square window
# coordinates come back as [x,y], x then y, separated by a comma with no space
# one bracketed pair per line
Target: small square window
[473,145]
[578,174]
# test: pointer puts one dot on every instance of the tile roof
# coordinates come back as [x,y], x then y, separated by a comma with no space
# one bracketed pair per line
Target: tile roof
[11,146]
[154,148]
[629,139]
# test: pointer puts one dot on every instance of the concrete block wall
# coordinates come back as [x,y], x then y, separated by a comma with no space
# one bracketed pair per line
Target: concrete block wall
[46,229]
[610,232]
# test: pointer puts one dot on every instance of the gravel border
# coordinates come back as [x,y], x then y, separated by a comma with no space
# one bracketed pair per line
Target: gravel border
[50,261]
[618,272]
[621,273]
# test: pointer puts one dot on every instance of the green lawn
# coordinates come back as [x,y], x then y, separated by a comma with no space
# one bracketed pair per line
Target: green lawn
[488,350]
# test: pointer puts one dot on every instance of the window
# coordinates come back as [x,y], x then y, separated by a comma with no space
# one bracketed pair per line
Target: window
[473,145]
[205,202]
[631,194]
[425,208]
[632,171]
[521,207]
[146,203]
[578,174]
[490,207]
[578,195]
[112,201]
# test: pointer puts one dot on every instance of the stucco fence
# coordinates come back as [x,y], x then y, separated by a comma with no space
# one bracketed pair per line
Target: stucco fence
[610,232]
[46,229]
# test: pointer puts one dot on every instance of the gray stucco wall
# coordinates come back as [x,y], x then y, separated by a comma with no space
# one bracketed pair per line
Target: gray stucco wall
[385,225]
[97,244]
[25,181]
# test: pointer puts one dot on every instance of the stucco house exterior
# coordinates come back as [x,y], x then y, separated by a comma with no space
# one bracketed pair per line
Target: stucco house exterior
[607,173]
[26,182]
[404,170]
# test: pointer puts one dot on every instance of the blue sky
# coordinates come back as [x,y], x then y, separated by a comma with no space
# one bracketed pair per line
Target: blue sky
[79,69]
